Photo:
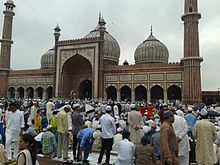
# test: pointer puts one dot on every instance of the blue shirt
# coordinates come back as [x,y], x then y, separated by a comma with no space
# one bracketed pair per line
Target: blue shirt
[191,120]
[85,137]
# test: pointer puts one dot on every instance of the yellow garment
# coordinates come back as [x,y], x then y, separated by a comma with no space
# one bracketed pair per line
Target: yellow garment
[3,155]
[62,122]
[54,123]
[205,134]
[38,125]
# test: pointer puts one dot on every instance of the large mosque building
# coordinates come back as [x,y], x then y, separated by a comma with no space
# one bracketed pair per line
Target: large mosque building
[89,67]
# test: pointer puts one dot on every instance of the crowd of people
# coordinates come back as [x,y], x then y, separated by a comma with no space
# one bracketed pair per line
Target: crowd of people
[139,132]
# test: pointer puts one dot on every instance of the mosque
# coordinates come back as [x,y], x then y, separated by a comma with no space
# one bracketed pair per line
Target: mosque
[89,67]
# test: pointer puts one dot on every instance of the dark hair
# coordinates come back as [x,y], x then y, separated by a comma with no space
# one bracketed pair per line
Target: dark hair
[125,135]
[145,141]
[31,146]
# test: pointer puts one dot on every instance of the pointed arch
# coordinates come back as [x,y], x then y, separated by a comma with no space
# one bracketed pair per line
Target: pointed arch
[174,93]
[125,93]
[39,92]
[157,93]
[85,89]
[11,92]
[20,92]
[75,70]
[111,92]
[30,93]
[49,92]
[140,93]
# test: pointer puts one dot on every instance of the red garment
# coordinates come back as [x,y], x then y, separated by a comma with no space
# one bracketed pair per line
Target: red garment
[142,110]
[150,111]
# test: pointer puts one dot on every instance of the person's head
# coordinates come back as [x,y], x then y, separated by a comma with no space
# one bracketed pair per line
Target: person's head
[12,106]
[76,107]
[168,116]
[204,113]
[26,141]
[67,108]
[108,109]
[125,135]
[145,141]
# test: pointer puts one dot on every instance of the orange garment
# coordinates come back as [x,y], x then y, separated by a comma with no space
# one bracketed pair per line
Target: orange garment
[150,111]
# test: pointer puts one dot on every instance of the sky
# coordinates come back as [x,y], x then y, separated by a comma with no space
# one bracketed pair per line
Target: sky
[128,21]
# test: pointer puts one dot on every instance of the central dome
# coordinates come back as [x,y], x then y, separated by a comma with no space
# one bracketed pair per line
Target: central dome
[151,51]
[111,46]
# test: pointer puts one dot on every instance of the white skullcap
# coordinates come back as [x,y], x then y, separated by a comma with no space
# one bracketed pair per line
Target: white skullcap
[132,106]
[108,108]
[76,105]
[49,126]
[203,111]
[119,129]
[67,106]
[95,135]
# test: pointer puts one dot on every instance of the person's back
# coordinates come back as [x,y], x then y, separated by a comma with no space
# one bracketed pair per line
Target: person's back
[125,151]
[205,135]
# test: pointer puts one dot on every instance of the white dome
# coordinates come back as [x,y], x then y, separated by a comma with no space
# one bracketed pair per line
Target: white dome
[111,46]
[151,51]
[47,59]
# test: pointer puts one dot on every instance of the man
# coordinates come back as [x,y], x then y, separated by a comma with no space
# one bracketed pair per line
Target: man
[108,130]
[181,128]
[205,134]
[63,132]
[135,121]
[85,138]
[191,120]
[48,143]
[125,151]
[77,123]
[14,120]
[50,106]
[168,140]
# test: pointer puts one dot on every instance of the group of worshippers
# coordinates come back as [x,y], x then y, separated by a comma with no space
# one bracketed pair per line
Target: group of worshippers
[140,134]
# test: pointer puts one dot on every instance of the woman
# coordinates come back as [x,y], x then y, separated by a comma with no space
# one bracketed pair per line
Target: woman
[28,154]
[144,154]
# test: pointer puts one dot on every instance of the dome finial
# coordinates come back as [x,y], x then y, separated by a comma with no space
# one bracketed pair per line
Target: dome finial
[151,30]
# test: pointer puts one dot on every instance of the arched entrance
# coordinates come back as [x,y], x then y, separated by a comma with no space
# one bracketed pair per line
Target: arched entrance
[174,93]
[30,93]
[20,91]
[111,92]
[11,92]
[125,92]
[49,92]
[140,93]
[156,93]
[75,72]
[85,89]
[39,91]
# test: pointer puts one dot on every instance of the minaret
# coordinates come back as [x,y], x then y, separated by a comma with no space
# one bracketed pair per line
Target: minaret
[56,33]
[191,60]
[101,55]
[6,43]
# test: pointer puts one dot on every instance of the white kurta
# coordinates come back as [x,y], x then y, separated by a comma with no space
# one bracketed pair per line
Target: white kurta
[181,128]
[14,123]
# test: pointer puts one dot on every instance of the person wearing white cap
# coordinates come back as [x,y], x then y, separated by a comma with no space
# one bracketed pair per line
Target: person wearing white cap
[50,106]
[63,132]
[205,134]
[191,121]
[135,122]
[117,139]
[77,124]
[48,143]
[108,130]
